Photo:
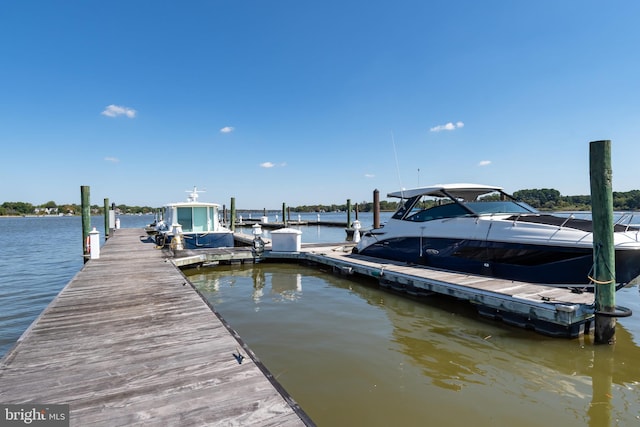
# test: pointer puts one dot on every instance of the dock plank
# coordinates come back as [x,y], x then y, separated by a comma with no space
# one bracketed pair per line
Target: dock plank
[129,341]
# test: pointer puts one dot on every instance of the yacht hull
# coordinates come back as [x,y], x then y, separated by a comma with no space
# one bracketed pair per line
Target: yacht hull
[571,266]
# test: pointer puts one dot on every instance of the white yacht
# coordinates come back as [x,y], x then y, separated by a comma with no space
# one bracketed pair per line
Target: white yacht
[480,229]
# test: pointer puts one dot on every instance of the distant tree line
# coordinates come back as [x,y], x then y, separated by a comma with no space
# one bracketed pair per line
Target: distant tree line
[362,207]
[51,208]
[550,199]
[540,198]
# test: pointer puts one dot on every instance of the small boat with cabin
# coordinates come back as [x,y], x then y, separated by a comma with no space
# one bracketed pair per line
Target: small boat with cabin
[197,223]
[480,229]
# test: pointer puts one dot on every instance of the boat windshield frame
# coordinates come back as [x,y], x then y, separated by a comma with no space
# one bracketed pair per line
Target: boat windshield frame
[447,205]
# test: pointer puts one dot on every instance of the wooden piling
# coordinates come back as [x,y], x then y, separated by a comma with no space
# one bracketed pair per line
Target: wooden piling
[604,274]
[348,213]
[376,208]
[284,212]
[106,218]
[86,219]
[233,214]
[112,224]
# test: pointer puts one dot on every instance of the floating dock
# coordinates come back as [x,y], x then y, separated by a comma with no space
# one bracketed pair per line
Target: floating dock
[552,311]
[128,341]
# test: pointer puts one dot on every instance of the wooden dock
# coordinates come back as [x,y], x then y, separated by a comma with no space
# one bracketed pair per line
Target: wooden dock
[129,342]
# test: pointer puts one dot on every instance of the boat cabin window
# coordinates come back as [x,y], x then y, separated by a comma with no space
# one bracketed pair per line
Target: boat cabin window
[194,219]
[405,207]
[185,219]
[200,219]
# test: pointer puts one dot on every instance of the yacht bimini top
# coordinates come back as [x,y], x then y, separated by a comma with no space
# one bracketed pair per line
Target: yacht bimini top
[466,192]
[455,200]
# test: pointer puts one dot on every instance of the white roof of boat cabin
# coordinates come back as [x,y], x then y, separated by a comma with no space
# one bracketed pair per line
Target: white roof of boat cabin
[465,191]
[192,200]
[192,204]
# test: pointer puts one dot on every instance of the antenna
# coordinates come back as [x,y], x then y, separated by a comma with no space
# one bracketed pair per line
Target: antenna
[193,194]
[397,165]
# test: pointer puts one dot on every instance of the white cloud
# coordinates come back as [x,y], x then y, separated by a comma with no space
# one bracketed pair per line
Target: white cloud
[118,110]
[447,126]
[369,175]
[111,159]
[227,129]
[484,163]
[268,165]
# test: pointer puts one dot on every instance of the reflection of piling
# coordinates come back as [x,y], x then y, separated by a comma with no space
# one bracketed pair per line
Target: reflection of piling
[603,247]
[376,208]
[601,379]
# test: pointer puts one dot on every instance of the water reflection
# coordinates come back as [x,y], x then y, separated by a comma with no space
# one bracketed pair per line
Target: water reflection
[280,285]
[397,360]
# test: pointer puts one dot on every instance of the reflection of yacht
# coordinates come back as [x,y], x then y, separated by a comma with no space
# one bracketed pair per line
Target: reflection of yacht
[479,229]
[197,223]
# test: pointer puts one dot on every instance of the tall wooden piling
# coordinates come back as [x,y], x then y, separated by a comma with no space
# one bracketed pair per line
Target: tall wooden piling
[233,214]
[112,218]
[376,208]
[348,213]
[284,212]
[603,248]
[106,218]
[86,219]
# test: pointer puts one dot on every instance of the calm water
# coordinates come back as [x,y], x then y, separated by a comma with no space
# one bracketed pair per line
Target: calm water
[351,354]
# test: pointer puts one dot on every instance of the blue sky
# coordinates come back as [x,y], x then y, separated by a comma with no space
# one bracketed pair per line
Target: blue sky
[307,102]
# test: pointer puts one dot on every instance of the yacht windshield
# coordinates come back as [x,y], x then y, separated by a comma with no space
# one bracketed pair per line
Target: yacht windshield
[507,206]
[428,207]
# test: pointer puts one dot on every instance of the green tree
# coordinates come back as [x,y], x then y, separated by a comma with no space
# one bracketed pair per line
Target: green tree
[18,208]
[539,198]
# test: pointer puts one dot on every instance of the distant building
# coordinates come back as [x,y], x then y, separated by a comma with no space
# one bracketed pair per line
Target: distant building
[46,211]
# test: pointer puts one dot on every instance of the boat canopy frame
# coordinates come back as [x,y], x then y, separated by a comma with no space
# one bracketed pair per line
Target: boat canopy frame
[464,201]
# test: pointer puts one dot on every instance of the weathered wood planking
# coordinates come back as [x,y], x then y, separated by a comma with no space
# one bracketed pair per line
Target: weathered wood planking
[129,341]
[504,287]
